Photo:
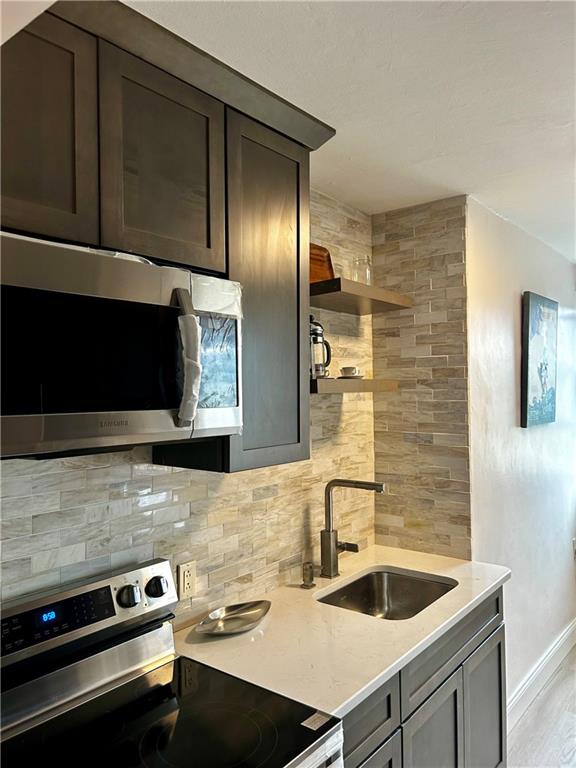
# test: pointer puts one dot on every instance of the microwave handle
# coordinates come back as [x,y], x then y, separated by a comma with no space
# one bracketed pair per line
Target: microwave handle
[184,302]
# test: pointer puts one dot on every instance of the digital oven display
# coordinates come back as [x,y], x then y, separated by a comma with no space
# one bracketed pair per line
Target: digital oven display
[47,616]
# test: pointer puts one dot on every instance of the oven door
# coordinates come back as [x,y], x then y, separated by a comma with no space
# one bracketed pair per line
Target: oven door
[91,352]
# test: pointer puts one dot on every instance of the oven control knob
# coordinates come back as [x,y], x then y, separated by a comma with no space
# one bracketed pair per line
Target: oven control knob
[157,586]
[129,596]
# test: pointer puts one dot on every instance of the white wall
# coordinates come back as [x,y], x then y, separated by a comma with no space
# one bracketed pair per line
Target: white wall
[523,480]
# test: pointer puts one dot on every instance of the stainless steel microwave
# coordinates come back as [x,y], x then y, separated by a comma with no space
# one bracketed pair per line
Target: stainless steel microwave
[92,350]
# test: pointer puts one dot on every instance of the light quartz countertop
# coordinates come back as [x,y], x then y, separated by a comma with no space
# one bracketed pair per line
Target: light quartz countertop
[331,658]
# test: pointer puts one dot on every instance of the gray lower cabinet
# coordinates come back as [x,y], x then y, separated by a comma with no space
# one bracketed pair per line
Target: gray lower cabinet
[484,677]
[445,709]
[422,676]
[369,724]
[433,737]
[389,755]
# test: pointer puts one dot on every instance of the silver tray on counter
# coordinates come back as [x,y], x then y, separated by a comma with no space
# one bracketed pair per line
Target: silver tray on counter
[232,619]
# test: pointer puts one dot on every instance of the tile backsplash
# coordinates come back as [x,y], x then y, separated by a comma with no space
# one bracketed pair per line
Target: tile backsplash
[421,431]
[63,519]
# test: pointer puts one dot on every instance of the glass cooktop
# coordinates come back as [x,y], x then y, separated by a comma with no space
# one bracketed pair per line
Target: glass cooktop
[181,715]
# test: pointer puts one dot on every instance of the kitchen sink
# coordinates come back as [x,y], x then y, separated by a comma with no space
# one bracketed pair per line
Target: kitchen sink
[390,593]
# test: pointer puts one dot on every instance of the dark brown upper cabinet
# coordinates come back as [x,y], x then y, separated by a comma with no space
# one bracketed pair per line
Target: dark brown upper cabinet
[161,164]
[50,131]
[268,243]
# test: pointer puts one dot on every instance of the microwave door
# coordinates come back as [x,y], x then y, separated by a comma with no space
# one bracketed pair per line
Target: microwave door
[82,371]
[220,399]
[90,349]
[218,305]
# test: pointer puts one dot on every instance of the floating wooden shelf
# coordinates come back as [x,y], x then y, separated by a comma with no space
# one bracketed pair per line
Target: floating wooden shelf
[341,295]
[339,386]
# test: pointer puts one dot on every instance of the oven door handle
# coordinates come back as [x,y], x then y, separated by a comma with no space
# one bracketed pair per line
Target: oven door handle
[191,340]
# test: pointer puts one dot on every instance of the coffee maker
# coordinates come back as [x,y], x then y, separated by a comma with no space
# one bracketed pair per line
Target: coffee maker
[320,351]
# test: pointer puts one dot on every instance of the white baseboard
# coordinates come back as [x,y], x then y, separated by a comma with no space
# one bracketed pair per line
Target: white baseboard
[540,673]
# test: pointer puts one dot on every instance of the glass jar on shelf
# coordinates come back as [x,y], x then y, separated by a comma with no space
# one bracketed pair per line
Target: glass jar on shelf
[362,270]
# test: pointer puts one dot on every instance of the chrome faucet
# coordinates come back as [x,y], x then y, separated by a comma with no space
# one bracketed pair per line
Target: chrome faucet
[329,544]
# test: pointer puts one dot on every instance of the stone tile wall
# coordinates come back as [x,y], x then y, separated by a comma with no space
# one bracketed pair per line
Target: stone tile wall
[63,519]
[421,431]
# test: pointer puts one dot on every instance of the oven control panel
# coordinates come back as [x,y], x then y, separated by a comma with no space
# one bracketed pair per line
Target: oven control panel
[56,617]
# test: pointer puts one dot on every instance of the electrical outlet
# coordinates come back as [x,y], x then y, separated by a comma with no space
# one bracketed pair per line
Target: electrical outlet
[186,580]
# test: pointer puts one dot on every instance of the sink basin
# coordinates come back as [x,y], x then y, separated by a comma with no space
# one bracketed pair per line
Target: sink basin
[390,593]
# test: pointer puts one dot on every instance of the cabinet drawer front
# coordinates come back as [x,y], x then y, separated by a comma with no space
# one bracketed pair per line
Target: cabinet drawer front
[389,755]
[50,131]
[371,722]
[421,677]
[433,737]
[162,164]
[485,704]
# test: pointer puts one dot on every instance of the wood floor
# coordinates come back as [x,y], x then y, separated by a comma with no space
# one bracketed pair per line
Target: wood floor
[545,736]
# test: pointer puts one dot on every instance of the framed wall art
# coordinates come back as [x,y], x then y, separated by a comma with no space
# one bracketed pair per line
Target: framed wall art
[539,342]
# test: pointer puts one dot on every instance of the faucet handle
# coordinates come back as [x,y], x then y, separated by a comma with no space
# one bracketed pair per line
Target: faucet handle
[346,546]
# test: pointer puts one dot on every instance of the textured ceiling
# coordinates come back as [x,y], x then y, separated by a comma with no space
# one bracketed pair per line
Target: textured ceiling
[15,14]
[429,99]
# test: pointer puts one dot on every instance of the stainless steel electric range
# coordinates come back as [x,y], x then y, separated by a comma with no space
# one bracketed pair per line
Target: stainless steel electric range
[90,678]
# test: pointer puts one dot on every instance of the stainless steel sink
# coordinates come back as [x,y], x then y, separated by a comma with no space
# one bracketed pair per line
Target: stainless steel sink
[390,593]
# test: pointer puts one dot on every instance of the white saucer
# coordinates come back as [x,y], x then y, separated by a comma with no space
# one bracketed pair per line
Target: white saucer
[357,376]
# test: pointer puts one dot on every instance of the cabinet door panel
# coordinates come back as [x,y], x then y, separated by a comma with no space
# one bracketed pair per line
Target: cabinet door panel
[268,253]
[50,131]
[162,164]
[389,755]
[485,704]
[433,737]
